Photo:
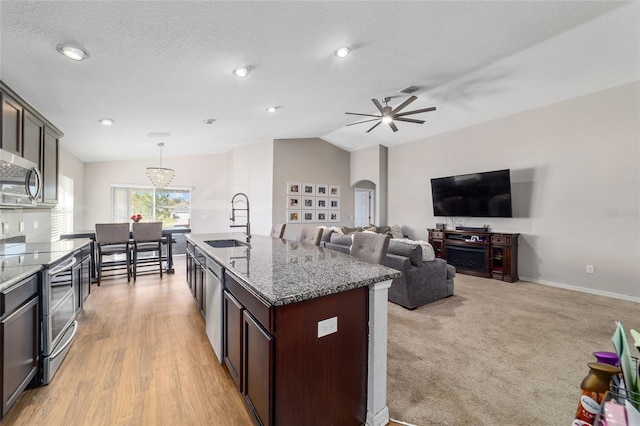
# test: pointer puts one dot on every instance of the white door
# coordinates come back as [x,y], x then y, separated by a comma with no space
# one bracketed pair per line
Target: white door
[363,207]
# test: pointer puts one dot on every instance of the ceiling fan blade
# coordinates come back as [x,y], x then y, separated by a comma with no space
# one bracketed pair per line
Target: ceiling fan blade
[393,126]
[409,120]
[360,122]
[374,126]
[417,111]
[378,105]
[404,104]
[365,115]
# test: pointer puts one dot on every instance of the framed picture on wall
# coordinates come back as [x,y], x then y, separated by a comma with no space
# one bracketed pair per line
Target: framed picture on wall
[308,202]
[293,216]
[322,202]
[293,202]
[334,203]
[294,188]
[321,216]
[322,190]
[334,190]
[334,216]
[308,189]
[308,216]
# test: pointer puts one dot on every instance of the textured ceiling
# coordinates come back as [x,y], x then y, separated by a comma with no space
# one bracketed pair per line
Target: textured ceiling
[166,66]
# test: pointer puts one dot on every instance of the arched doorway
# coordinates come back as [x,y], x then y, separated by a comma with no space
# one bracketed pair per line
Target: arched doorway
[364,203]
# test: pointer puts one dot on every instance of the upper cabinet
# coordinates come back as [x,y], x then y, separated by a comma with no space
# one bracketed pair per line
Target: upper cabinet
[27,133]
[12,115]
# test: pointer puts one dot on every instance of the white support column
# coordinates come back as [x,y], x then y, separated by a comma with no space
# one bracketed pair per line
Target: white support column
[377,410]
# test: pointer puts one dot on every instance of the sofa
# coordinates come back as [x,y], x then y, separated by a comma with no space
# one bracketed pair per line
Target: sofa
[422,281]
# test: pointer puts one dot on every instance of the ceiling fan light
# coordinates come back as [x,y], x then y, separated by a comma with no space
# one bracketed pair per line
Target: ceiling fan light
[241,72]
[72,52]
[387,119]
[343,52]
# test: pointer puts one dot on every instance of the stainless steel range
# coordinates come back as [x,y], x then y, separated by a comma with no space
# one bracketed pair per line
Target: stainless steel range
[60,284]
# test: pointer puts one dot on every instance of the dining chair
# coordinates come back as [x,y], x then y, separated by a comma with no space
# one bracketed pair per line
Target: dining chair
[147,238]
[310,235]
[370,247]
[277,230]
[112,239]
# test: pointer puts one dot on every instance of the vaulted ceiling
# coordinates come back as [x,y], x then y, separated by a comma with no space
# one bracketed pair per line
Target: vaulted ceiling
[165,66]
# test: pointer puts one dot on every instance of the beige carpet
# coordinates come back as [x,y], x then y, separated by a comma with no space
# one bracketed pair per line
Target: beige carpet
[498,353]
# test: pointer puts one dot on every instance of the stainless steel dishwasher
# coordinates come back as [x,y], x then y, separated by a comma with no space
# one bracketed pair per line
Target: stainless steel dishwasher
[214,278]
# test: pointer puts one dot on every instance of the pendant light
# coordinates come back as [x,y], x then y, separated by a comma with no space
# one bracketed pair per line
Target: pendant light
[160,176]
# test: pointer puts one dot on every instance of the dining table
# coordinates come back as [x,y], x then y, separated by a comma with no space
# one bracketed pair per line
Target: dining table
[167,233]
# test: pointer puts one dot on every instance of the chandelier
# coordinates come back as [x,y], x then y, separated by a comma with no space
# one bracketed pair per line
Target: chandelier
[160,176]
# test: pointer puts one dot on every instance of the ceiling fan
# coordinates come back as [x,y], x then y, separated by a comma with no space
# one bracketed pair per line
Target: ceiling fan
[389,115]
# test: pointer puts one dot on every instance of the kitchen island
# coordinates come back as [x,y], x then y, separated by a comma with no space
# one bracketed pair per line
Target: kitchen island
[304,330]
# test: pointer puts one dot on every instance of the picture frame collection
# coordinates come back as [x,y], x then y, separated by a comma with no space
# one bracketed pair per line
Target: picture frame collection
[312,202]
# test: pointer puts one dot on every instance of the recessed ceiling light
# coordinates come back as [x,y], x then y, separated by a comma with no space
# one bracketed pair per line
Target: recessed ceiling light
[241,72]
[209,121]
[72,52]
[107,121]
[272,109]
[342,52]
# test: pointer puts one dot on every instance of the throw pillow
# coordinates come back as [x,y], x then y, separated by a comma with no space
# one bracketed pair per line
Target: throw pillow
[384,230]
[372,228]
[396,232]
[427,251]
[326,235]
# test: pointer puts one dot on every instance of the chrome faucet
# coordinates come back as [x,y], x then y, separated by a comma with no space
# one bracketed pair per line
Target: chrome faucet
[233,214]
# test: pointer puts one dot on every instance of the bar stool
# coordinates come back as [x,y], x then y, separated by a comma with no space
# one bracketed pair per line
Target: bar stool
[147,237]
[113,239]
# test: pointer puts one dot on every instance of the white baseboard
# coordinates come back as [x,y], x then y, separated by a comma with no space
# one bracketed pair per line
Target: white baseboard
[583,289]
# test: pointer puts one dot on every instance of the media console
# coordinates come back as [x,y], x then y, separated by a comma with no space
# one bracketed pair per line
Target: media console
[480,253]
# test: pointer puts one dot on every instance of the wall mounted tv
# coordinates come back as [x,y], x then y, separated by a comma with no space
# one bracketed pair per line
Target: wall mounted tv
[486,194]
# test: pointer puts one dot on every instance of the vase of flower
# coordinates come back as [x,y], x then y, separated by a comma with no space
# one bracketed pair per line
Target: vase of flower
[136,217]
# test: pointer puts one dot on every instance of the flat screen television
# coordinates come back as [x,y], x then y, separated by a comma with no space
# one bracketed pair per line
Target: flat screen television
[486,194]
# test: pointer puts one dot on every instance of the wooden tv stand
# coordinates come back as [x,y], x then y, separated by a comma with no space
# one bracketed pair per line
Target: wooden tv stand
[480,253]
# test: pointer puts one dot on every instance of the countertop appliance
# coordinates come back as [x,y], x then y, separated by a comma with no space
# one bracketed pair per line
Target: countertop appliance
[20,181]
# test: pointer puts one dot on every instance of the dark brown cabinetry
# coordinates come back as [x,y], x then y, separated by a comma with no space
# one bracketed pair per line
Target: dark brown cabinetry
[33,135]
[20,331]
[27,133]
[287,374]
[11,123]
[484,254]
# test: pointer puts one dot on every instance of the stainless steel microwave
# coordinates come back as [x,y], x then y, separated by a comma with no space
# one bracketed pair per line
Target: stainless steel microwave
[20,181]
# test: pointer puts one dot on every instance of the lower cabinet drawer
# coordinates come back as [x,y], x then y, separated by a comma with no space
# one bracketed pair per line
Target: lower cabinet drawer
[15,296]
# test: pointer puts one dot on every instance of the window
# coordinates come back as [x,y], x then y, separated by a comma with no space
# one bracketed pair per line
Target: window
[171,206]
[62,213]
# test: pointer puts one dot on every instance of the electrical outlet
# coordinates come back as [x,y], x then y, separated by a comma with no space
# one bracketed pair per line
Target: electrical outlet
[5,227]
[21,226]
[590,269]
[328,326]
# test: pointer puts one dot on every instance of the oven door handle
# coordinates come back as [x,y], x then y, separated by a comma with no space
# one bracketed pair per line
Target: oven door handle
[70,341]
[62,268]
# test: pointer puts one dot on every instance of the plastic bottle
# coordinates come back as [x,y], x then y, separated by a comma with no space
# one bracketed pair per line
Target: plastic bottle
[594,387]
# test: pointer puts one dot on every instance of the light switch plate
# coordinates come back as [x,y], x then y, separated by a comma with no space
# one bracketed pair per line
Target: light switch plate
[5,227]
[328,326]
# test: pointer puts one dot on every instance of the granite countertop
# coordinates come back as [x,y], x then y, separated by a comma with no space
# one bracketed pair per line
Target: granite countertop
[21,260]
[283,272]
[15,274]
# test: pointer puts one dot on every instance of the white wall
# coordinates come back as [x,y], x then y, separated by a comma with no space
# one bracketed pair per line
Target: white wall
[576,186]
[251,172]
[371,164]
[207,174]
[310,160]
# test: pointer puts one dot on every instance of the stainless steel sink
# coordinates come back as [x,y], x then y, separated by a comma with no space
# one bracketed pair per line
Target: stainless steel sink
[226,243]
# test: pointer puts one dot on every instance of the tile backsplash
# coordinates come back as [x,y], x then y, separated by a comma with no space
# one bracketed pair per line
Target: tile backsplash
[33,226]
[11,224]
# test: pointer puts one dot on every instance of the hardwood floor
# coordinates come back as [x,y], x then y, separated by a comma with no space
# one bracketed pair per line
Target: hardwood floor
[141,357]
